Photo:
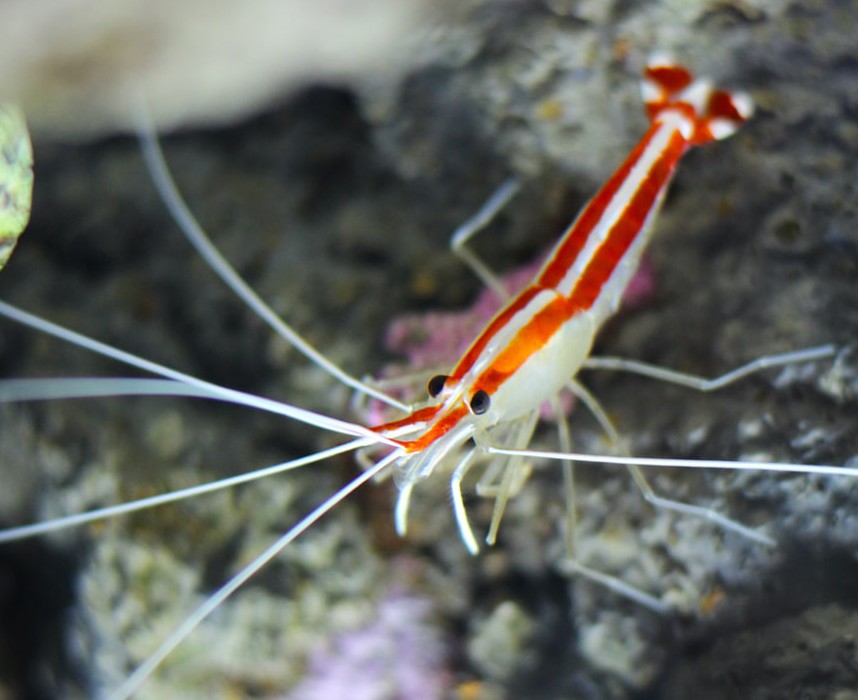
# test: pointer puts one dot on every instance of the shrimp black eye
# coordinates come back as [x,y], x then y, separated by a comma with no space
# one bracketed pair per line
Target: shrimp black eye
[436,385]
[480,402]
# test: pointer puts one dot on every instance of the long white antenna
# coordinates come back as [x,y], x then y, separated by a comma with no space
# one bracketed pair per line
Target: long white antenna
[22,532]
[133,682]
[54,388]
[181,213]
[216,391]
[782,467]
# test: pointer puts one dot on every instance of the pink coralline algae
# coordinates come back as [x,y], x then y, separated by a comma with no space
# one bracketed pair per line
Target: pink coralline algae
[400,655]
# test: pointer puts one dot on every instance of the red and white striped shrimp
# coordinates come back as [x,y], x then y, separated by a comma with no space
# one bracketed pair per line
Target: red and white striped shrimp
[531,349]
[535,346]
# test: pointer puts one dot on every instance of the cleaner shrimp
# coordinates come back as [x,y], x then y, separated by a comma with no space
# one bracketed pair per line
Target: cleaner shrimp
[486,400]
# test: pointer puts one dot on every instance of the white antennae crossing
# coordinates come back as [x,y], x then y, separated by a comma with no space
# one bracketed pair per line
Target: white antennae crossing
[214,390]
[133,682]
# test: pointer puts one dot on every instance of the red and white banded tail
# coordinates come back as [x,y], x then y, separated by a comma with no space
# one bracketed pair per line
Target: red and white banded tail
[712,113]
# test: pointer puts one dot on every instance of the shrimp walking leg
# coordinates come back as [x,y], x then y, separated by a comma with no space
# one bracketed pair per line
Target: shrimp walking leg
[643,484]
[468,229]
[705,384]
